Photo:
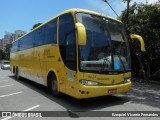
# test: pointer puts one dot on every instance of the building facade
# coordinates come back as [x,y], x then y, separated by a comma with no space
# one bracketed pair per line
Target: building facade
[10,37]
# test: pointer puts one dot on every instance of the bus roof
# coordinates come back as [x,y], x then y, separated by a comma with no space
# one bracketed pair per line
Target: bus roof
[73,10]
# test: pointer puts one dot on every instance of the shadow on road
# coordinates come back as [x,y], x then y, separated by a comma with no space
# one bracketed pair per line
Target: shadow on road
[144,93]
[72,104]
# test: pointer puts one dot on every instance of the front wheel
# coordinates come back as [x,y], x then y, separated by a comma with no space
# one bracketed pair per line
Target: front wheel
[54,87]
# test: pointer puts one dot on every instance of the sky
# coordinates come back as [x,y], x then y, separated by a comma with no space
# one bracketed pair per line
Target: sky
[23,14]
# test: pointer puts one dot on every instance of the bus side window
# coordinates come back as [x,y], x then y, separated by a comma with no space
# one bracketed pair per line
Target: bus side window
[51,32]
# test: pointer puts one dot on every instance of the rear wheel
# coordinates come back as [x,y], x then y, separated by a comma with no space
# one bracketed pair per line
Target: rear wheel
[54,86]
[17,74]
[14,71]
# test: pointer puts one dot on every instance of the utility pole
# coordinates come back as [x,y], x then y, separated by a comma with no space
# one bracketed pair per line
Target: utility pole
[127,13]
[110,6]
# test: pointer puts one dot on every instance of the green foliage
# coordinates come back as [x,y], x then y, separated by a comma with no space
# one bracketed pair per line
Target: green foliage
[126,1]
[145,21]
[1,54]
[36,25]
[20,36]
[127,10]
[7,51]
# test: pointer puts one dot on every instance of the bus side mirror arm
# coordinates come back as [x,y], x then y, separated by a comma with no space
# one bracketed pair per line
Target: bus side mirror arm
[81,34]
[135,36]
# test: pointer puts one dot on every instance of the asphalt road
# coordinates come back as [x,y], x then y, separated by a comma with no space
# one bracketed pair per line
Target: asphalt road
[24,95]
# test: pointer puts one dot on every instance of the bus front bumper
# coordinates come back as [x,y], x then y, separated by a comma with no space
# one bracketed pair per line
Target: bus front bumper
[96,91]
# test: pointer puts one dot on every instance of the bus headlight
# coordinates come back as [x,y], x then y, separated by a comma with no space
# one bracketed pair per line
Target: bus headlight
[127,79]
[90,83]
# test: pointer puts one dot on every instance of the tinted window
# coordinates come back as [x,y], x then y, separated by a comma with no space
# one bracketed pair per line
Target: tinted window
[71,51]
[13,47]
[46,34]
[30,40]
[6,63]
[66,26]
[39,36]
[24,45]
[51,32]
[16,46]
[26,42]
[67,40]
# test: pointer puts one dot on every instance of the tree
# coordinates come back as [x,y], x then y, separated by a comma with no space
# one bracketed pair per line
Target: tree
[1,54]
[36,25]
[144,20]
[7,51]
[127,10]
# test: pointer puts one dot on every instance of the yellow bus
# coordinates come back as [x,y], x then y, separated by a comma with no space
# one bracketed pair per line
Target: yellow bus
[79,52]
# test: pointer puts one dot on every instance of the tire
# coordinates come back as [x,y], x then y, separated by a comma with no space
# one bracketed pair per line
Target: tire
[17,74]
[54,87]
[14,71]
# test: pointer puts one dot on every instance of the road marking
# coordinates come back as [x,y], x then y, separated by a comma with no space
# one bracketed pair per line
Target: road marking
[7,118]
[3,80]
[10,94]
[6,85]
[32,108]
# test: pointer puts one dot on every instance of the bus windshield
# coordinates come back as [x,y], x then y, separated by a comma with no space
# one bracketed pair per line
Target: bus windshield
[107,48]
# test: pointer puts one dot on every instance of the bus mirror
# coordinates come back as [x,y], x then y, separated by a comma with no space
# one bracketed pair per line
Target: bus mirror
[81,34]
[135,36]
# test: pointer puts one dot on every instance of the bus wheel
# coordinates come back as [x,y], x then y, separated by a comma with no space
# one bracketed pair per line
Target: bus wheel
[54,87]
[14,71]
[17,74]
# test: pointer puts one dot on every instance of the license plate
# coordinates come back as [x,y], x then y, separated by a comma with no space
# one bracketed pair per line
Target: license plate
[112,91]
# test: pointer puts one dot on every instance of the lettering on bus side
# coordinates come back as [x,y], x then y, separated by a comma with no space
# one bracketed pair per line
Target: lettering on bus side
[92,76]
[46,52]
[102,78]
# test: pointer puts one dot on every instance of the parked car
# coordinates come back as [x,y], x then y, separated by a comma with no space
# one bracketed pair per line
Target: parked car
[5,65]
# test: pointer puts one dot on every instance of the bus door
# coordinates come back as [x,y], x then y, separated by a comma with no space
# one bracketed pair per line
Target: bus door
[68,69]
[67,47]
